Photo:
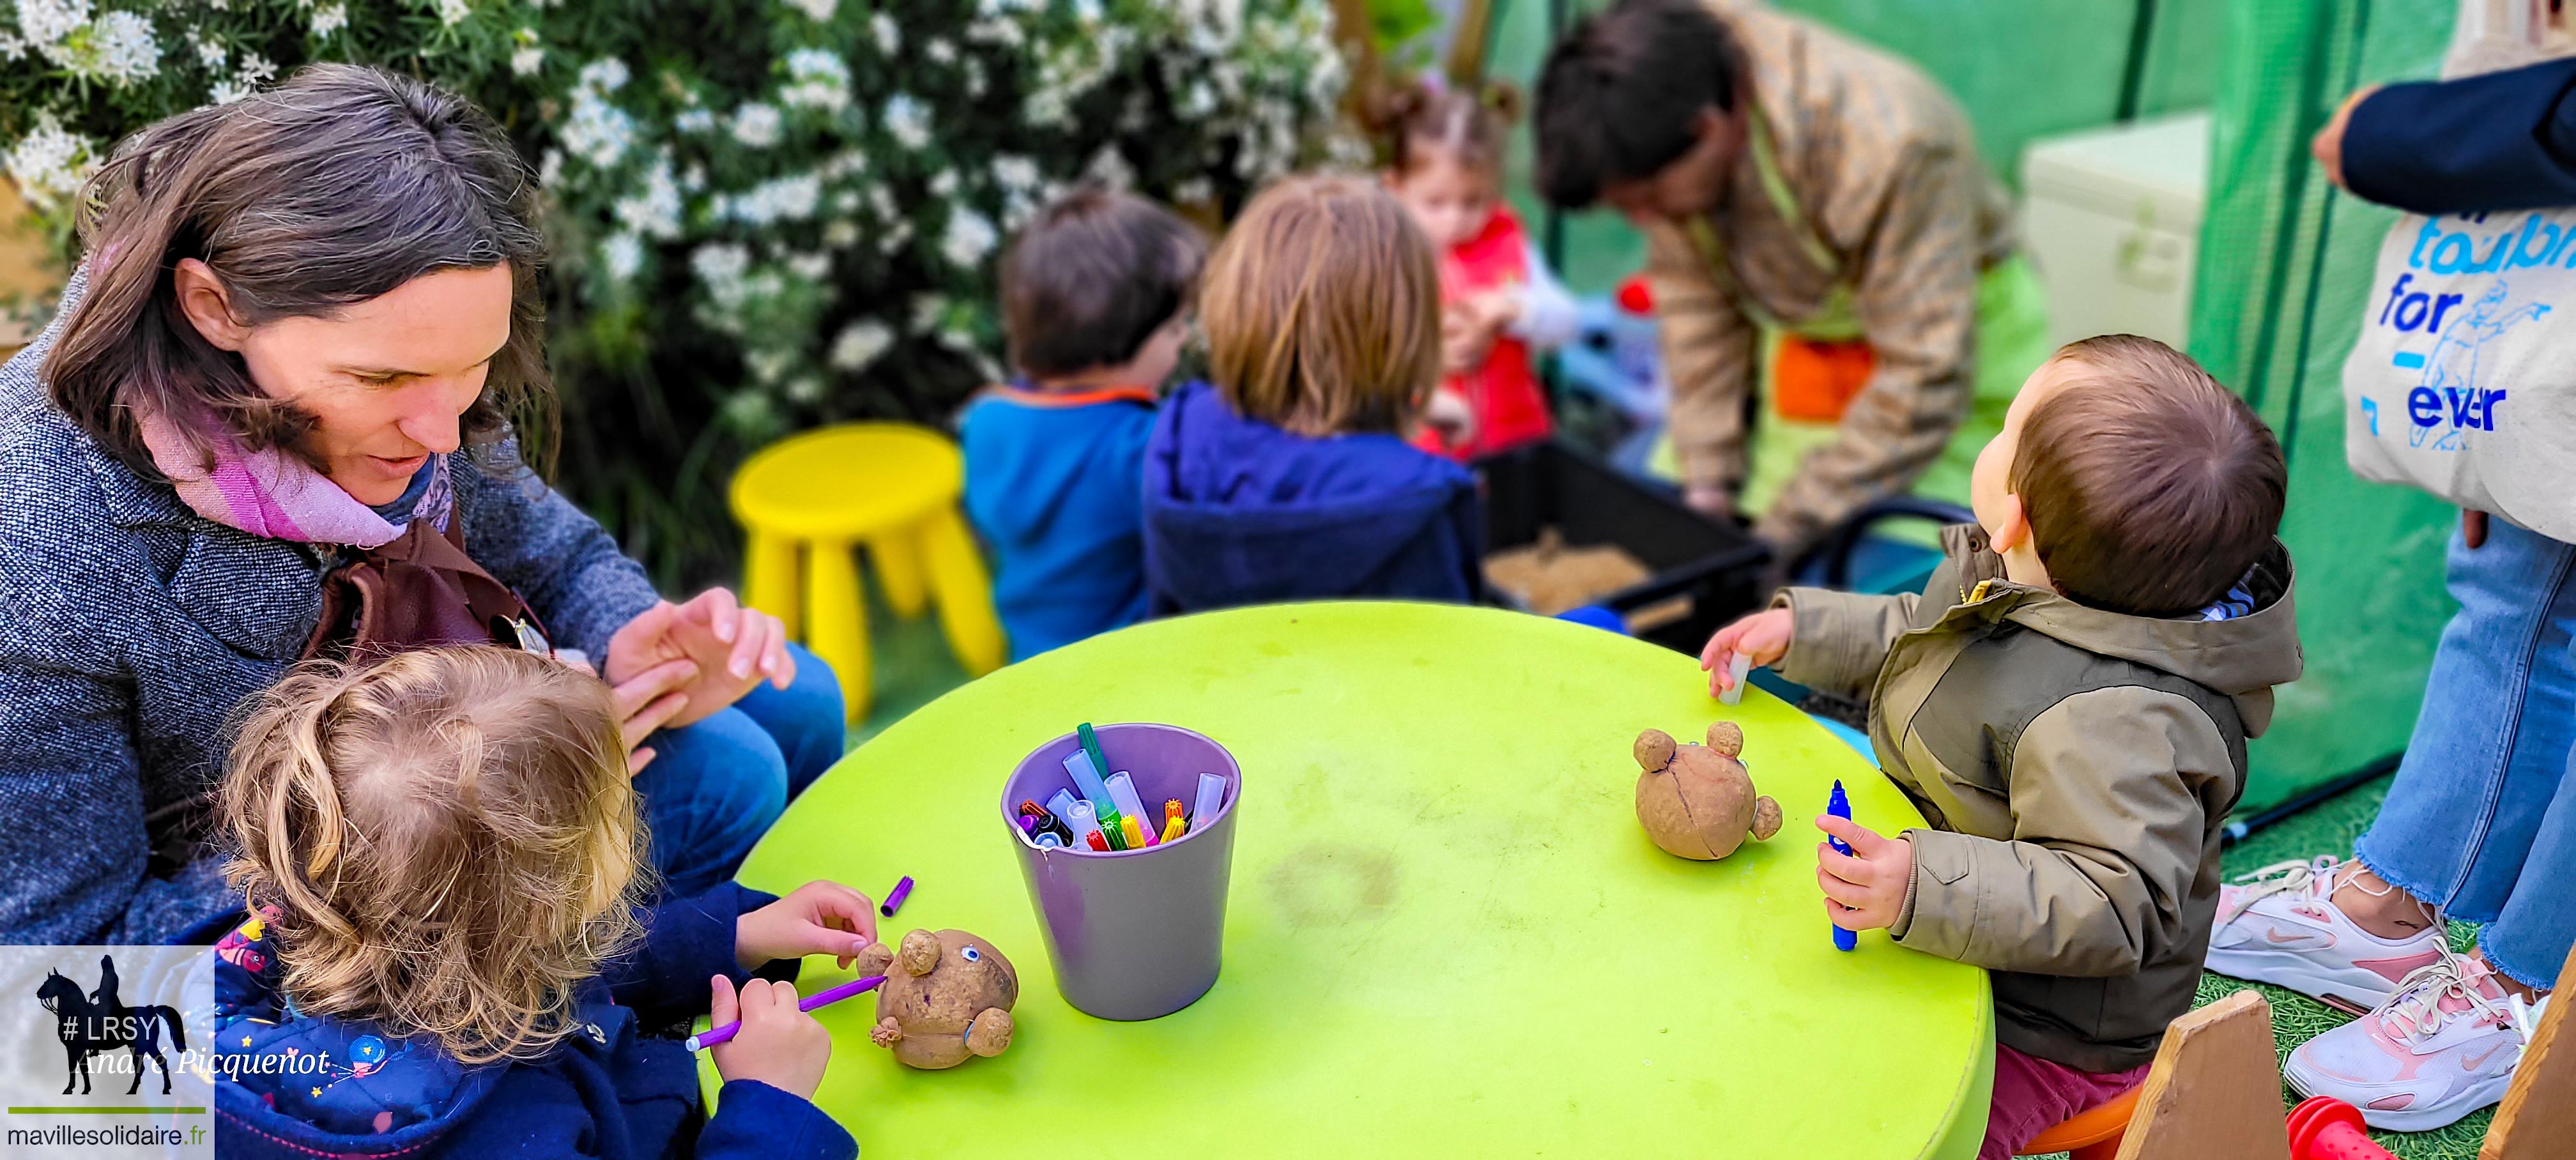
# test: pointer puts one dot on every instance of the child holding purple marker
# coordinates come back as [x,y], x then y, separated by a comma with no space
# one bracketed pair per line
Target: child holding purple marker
[483,968]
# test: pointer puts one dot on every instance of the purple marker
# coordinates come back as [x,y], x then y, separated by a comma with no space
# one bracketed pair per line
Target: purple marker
[894,898]
[825,998]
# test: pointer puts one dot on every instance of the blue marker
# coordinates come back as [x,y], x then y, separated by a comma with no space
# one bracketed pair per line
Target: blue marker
[1840,806]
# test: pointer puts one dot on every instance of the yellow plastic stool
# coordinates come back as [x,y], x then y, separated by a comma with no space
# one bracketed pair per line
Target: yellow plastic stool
[891,488]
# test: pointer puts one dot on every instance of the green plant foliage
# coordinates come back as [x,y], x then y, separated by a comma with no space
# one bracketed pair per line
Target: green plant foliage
[765,215]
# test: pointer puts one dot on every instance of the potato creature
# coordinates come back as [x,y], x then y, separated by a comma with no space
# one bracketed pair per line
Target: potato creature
[947,998]
[1697,801]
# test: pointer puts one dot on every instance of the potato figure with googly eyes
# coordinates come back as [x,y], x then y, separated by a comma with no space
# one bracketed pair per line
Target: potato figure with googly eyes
[947,998]
[1697,801]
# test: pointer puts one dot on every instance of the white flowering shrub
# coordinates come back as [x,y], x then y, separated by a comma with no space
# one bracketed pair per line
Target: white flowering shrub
[765,215]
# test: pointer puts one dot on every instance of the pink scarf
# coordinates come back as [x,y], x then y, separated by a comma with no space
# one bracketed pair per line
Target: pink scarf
[276,495]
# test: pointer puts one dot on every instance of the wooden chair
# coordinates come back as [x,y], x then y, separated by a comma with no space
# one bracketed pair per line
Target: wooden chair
[2537,1120]
[2213,1094]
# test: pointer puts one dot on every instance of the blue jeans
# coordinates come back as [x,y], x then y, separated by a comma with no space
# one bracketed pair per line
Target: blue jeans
[2482,818]
[716,786]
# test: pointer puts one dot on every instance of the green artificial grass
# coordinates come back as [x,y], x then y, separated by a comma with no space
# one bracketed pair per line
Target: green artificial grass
[2330,827]
[910,665]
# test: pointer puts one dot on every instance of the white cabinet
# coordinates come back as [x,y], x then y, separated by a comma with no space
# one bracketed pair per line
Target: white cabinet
[2112,219]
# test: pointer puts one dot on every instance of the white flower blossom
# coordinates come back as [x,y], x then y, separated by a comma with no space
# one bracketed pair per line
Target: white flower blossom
[846,163]
[943,184]
[596,131]
[1110,169]
[329,19]
[210,52]
[998,31]
[756,124]
[928,312]
[12,47]
[809,266]
[254,69]
[1087,11]
[122,49]
[550,169]
[50,164]
[816,80]
[526,60]
[453,12]
[622,255]
[908,120]
[970,236]
[819,11]
[790,199]
[606,75]
[806,389]
[225,92]
[889,37]
[1014,173]
[720,267]
[1195,191]
[896,235]
[768,366]
[694,121]
[1199,100]
[1046,107]
[48,22]
[940,51]
[655,210]
[840,234]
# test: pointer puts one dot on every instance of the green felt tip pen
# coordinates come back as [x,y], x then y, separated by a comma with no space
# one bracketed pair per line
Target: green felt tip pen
[1100,765]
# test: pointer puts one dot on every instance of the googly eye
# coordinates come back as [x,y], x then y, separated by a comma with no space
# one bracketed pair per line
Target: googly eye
[972,955]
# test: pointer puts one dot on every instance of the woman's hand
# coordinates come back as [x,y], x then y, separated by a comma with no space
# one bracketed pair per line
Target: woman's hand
[818,918]
[2328,143]
[778,1044]
[649,702]
[734,649]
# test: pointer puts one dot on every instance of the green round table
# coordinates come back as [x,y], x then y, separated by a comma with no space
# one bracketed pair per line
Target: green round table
[1446,935]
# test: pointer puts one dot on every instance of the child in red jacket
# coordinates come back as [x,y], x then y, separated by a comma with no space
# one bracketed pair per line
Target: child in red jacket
[1499,304]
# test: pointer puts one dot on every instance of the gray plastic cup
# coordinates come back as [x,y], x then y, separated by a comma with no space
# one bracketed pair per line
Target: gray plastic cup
[1133,934]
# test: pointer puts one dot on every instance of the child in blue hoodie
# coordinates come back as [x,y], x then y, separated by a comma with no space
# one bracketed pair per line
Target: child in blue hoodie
[448,957]
[1291,478]
[1095,299]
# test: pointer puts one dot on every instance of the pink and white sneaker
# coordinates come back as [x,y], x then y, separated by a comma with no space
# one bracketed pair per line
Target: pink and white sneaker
[2443,1047]
[2280,925]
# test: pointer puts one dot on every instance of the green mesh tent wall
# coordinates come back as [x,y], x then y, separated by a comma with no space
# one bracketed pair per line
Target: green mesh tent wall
[2285,260]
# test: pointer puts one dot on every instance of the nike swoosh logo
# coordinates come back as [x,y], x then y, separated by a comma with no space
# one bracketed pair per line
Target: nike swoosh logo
[2467,1064]
[2273,934]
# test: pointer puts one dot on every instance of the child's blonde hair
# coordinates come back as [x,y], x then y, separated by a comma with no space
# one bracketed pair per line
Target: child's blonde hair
[1322,309]
[450,837]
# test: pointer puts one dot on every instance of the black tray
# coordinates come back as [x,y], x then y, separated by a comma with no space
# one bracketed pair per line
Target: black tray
[1716,565]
